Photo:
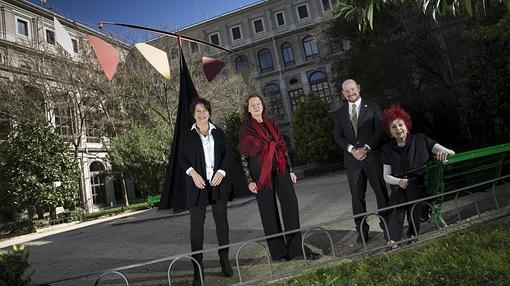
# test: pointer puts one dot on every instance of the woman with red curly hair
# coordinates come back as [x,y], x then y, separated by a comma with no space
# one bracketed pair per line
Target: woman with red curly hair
[403,169]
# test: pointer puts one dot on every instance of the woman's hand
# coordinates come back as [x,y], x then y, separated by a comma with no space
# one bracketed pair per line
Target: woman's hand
[253,187]
[441,156]
[403,183]
[216,179]
[197,179]
[293,177]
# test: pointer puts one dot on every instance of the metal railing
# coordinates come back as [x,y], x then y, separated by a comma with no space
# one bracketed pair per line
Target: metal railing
[441,182]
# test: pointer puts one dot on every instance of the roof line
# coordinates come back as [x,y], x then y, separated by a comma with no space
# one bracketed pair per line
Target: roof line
[222,15]
[80,24]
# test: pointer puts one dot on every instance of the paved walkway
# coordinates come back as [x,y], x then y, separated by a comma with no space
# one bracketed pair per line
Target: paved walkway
[80,248]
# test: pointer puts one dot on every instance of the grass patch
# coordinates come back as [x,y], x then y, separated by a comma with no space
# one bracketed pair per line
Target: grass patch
[479,255]
[29,226]
[114,211]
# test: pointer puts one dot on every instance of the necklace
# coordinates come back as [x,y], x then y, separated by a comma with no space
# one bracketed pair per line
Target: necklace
[203,132]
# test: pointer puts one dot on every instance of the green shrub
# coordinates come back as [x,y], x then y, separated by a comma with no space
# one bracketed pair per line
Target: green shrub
[137,207]
[137,201]
[32,160]
[114,211]
[13,265]
[313,131]
[233,124]
[18,228]
[142,155]
[76,215]
[40,223]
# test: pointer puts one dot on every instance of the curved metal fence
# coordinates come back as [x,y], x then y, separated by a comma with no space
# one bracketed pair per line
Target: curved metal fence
[461,177]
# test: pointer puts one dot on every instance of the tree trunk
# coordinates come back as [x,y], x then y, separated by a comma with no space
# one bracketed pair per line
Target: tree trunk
[40,213]
[53,212]
[124,191]
[31,213]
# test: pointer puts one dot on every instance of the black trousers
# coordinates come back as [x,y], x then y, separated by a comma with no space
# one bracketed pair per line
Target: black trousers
[280,246]
[396,217]
[197,220]
[357,174]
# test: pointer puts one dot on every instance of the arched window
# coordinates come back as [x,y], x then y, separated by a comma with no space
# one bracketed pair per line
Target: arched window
[241,62]
[287,55]
[272,92]
[265,61]
[310,48]
[320,86]
[97,177]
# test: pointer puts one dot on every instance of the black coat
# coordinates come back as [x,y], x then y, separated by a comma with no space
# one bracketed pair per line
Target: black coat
[192,155]
[409,161]
[369,130]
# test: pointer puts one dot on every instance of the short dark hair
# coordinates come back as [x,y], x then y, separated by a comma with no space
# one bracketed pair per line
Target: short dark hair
[194,103]
[395,112]
[246,104]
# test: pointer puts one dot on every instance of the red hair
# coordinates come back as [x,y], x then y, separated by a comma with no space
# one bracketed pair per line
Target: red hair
[395,112]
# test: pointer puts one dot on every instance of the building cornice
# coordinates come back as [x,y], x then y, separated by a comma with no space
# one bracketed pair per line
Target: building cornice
[75,25]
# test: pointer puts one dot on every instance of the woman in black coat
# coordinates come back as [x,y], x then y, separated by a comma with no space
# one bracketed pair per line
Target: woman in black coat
[404,169]
[206,158]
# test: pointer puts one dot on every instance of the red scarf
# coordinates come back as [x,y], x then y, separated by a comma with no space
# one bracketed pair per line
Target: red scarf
[254,141]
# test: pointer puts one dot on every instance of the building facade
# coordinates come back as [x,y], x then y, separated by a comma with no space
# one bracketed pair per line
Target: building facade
[279,42]
[30,54]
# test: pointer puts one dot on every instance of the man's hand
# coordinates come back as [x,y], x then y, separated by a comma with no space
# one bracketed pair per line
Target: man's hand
[197,179]
[216,179]
[359,153]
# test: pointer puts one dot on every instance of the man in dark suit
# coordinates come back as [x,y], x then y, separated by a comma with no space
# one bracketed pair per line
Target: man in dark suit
[358,131]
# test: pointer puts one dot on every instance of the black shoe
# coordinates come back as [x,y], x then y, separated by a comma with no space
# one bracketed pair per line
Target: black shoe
[313,255]
[310,255]
[196,281]
[359,240]
[196,275]
[226,269]
[283,258]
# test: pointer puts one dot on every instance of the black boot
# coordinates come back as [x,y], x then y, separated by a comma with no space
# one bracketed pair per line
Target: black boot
[226,269]
[197,272]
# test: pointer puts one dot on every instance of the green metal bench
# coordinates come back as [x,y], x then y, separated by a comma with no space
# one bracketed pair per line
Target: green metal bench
[465,169]
[153,200]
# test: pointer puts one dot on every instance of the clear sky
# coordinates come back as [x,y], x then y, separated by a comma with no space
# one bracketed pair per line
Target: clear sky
[160,14]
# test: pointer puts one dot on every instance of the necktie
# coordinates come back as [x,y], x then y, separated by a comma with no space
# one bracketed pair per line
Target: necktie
[354,119]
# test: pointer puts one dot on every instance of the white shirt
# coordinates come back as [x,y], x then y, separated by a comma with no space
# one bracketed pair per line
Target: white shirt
[358,108]
[358,105]
[208,147]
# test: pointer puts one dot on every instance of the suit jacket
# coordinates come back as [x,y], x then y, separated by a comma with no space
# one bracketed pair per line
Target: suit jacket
[369,130]
[192,155]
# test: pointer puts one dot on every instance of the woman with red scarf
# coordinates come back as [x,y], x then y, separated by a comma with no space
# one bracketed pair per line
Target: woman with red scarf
[269,173]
